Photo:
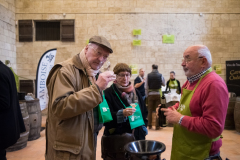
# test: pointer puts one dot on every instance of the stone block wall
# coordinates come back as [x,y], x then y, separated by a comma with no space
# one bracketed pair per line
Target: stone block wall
[7,32]
[127,6]
[218,28]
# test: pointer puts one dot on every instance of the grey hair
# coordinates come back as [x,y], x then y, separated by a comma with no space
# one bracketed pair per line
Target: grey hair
[204,52]
[92,44]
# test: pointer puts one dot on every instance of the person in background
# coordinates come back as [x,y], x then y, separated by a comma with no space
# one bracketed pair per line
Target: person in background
[11,121]
[200,115]
[153,84]
[173,83]
[139,83]
[119,96]
[75,90]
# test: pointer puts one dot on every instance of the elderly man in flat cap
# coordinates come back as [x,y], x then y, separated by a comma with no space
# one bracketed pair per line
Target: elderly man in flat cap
[200,115]
[75,90]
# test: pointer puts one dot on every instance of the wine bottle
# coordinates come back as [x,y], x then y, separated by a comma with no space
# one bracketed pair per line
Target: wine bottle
[162,117]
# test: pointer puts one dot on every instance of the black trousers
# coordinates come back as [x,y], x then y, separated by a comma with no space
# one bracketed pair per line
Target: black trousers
[3,155]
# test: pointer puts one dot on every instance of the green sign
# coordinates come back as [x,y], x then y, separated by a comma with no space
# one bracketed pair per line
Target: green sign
[168,38]
[134,68]
[137,42]
[137,32]
[217,68]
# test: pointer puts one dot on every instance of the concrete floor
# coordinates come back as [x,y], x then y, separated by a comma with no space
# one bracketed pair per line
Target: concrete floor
[35,149]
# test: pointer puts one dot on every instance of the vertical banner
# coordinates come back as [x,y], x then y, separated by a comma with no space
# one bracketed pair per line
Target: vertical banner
[45,64]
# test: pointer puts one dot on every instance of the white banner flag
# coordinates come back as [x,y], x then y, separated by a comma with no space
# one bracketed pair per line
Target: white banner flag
[45,64]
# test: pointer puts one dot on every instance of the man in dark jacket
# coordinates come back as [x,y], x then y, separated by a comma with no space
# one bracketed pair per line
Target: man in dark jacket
[153,84]
[139,83]
[10,115]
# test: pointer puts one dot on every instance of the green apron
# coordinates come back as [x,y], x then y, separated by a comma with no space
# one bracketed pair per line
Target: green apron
[104,112]
[187,145]
[156,90]
[173,84]
[136,119]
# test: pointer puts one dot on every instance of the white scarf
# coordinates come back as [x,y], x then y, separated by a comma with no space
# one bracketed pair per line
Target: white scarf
[90,72]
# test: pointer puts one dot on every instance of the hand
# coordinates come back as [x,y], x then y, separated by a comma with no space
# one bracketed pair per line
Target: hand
[172,115]
[104,78]
[128,111]
[157,109]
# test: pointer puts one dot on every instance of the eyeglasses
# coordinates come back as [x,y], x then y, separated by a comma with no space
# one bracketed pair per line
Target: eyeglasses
[123,75]
[99,54]
[187,60]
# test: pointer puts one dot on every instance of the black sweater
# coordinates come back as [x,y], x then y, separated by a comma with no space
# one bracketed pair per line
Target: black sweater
[115,105]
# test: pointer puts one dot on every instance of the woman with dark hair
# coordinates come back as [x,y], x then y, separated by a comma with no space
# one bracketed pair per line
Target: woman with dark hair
[121,130]
[173,83]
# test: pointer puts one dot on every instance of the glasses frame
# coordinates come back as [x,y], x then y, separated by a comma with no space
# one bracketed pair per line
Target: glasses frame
[125,75]
[96,53]
[187,61]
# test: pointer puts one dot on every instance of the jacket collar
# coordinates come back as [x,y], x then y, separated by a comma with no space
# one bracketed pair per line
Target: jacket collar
[155,70]
[78,63]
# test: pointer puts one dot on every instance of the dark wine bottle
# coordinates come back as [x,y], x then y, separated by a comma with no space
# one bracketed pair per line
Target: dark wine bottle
[162,117]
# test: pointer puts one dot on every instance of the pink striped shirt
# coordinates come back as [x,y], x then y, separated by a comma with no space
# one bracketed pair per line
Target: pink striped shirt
[208,107]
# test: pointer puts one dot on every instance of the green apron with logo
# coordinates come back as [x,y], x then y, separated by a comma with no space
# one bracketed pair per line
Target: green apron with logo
[104,112]
[136,119]
[187,145]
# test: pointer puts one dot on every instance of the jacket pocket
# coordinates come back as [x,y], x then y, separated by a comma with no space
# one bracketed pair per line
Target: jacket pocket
[66,151]
[70,131]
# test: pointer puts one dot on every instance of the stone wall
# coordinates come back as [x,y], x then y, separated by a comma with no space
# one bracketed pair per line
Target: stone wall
[218,28]
[7,32]
[127,6]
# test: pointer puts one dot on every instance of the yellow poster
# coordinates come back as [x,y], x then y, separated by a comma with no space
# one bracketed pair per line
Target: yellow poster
[217,68]
[134,68]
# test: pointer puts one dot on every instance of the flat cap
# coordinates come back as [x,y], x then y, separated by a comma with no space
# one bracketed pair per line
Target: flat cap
[102,41]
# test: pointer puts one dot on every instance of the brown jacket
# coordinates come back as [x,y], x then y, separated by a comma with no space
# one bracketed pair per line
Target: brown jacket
[70,122]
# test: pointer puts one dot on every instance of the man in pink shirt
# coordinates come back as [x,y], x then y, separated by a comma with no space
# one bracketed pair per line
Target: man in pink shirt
[200,115]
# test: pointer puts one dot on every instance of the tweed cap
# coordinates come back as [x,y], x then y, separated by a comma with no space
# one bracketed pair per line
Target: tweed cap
[102,41]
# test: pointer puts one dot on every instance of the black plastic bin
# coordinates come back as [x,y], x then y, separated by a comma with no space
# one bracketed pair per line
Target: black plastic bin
[144,150]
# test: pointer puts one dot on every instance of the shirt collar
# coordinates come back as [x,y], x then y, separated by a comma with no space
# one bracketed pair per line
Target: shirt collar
[140,77]
[197,76]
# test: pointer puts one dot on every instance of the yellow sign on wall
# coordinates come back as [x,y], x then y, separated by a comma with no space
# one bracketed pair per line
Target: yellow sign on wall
[137,32]
[217,68]
[134,68]
[137,42]
[168,38]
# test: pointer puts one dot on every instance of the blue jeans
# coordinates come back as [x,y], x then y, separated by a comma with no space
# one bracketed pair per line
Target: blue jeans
[215,156]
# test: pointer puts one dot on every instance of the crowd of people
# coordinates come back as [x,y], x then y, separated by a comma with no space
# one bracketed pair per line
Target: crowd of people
[77,89]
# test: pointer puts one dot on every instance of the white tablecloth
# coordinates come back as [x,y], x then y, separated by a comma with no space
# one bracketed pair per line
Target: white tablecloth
[172,97]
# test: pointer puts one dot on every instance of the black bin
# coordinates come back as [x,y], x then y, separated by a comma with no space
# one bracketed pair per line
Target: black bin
[144,150]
